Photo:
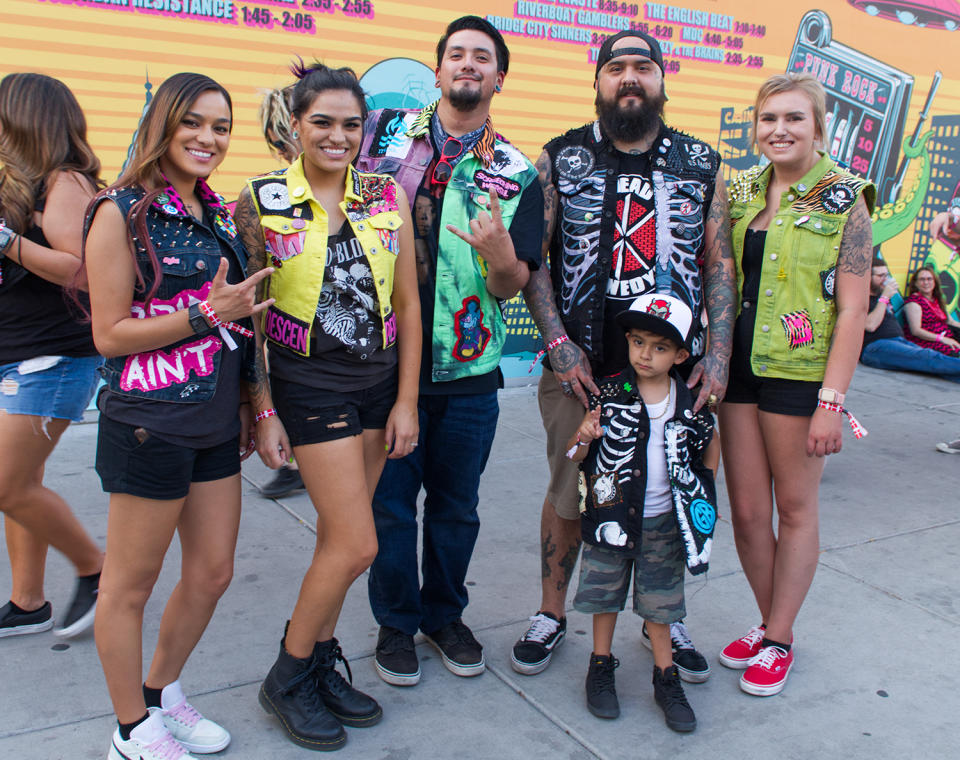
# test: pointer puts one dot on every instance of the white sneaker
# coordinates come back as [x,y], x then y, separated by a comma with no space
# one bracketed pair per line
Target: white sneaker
[189,727]
[149,741]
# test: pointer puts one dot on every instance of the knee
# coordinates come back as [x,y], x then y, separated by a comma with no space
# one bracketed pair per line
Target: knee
[131,596]
[211,582]
[797,513]
[355,559]
[750,519]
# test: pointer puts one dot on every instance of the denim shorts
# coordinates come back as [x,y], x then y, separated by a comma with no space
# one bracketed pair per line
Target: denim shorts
[131,460]
[310,415]
[59,387]
[657,575]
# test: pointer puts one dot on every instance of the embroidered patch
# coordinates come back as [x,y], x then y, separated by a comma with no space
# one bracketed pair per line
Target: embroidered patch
[180,301]
[390,330]
[507,161]
[703,514]
[472,334]
[283,247]
[273,196]
[611,533]
[838,198]
[389,135]
[798,327]
[828,282]
[151,370]
[225,224]
[287,331]
[389,239]
[574,162]
[505,188]
[605,489]
[659,307]
[697,154]
[378,194]
[171,260]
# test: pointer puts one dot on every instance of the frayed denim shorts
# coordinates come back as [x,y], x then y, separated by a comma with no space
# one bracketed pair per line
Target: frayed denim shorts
[58,387]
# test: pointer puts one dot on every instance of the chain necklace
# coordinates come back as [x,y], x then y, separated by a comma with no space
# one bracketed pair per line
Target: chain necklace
[666,406]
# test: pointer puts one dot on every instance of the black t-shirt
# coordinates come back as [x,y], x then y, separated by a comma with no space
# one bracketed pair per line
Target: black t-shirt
[196,426]
[526,232]
[888,328]
[35,317]
[750,265]
[346,351]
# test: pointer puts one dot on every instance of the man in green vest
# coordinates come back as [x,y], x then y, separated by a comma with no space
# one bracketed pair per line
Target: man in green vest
[478,212]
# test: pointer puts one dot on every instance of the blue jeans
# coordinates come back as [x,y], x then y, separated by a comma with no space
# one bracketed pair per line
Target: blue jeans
[456,433]
[900,353]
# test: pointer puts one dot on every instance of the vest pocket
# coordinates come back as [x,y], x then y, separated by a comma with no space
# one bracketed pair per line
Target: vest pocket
[284,238]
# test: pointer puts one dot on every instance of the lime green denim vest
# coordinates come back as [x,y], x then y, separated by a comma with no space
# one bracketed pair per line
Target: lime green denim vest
[295,231]
[796,310]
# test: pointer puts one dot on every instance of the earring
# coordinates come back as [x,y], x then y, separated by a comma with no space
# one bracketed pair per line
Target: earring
[295,135]
[498,88]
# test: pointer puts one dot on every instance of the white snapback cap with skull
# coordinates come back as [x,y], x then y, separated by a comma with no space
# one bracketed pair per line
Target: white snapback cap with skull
[660,314]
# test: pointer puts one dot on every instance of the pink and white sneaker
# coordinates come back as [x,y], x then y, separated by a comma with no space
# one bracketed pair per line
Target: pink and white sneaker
[767,673]
[737,654]
[196,733]
[148,741]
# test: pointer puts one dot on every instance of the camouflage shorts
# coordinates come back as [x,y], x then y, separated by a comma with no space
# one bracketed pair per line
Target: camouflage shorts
[657,575]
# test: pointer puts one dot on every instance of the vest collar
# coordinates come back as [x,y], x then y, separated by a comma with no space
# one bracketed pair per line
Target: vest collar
[805,184]
[299,189]
[483,150]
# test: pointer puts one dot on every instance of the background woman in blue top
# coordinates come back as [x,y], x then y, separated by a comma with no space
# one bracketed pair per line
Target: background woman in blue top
[162,257]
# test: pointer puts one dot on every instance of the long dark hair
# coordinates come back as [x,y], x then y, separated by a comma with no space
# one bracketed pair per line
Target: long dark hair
[167,109]
[937,293]
[42,130]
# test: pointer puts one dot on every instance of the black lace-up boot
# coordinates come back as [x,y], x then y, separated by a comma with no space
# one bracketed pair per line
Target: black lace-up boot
[351,706]
[668,693]
[601,686]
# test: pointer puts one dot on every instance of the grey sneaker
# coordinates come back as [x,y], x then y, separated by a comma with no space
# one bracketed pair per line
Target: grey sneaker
[953,447]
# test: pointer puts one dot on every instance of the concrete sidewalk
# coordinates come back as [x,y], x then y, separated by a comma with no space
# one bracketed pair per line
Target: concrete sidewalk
[873,677]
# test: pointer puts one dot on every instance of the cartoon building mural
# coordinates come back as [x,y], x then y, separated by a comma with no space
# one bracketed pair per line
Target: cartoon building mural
[893,89]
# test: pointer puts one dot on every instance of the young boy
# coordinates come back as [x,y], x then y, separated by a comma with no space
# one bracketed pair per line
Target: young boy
[647,501]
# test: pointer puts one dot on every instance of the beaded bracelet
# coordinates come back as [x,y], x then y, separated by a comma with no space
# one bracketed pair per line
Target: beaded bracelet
[859,431]
[550,346]
[264,414]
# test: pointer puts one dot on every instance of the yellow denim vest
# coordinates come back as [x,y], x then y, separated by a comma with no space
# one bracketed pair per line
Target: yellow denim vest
[295,231]
[796,310]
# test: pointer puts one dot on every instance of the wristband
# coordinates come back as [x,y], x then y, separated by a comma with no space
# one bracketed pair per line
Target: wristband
[940,337]
[264,414]
[551,345]
[215,321]
[859,431]
[884,299]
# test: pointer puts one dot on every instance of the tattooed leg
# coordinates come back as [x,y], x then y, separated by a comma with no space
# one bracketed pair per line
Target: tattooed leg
[559,548]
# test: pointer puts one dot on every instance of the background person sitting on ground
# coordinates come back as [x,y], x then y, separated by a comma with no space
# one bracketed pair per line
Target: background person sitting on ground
[928,324]
[884,346]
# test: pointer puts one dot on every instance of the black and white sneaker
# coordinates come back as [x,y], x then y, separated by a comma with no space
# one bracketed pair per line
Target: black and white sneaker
[462,653]
[396,659]
[691,665]
[82,609]
[532,652]
[15,623]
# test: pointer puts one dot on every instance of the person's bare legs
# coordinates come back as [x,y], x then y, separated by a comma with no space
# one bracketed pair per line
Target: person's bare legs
[559,547]
[207,529]
[25,443]
[28,561]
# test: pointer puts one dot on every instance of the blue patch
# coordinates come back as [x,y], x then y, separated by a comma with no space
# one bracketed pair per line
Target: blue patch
[704,515]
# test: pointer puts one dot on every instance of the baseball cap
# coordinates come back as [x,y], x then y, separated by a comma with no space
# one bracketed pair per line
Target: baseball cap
[607,52]
[660,314]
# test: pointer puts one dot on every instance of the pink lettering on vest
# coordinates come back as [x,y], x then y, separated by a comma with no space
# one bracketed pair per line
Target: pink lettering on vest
[287,331]
[390,329]
[181,300]
[152,370]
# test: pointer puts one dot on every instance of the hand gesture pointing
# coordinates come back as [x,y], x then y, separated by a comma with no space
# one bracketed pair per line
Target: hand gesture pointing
[487,235]
[232,302]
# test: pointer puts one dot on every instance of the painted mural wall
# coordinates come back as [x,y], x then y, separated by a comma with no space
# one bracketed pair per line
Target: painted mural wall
[893,83]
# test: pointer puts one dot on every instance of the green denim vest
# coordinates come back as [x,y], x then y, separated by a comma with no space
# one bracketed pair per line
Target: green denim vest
[468,326]
[796,311]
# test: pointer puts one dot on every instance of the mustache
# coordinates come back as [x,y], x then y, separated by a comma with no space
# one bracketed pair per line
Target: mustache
[472,77]
[632,89]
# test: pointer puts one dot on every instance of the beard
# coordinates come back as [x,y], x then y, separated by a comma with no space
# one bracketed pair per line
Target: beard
[465,98]
[630,123]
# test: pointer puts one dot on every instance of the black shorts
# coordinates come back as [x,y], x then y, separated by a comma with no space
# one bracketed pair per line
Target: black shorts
[310,415]
[797,398]
[133,461]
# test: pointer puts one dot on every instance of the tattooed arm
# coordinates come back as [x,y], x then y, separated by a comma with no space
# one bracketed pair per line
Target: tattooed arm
[272,442]
[719,293]
[568,361]
[852,297]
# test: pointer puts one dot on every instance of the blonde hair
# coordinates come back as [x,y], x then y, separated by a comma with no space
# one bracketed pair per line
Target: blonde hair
[275,117]
[805,83]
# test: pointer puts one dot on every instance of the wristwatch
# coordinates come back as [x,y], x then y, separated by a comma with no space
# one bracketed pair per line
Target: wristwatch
[197,321]
[830,396]
[6,237]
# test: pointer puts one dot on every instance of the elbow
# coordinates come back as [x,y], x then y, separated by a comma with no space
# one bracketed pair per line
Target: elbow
[107,348]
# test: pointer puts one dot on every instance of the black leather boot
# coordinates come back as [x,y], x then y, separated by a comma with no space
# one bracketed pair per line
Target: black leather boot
[290,692]
[350,706]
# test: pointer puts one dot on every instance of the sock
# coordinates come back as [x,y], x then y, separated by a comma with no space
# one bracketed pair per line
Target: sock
[126,728]
[771,643]
[152,696]
[20,611]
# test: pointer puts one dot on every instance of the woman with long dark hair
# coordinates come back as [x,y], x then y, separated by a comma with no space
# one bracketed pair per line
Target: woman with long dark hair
[928,324]
[169,306]
[341,396]
[802,244]
[48,362]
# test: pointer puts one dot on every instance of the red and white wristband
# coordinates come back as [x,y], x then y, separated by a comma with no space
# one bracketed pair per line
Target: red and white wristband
[264,414]
[207,310]
[859,431]
[551,345]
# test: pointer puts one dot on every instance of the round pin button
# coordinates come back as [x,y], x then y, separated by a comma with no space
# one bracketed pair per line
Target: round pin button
[201,264]
[298,224]
[298,191]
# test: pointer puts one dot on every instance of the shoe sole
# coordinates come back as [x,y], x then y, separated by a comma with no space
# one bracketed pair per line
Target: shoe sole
[682,728]
[946,449]
[359,722]
[314,744]
[24,630]
[690,676]
[80,626]
[204,749]
[532,668]
[458,669]
[396,679]
[765,691]
[735,663]
[601,714]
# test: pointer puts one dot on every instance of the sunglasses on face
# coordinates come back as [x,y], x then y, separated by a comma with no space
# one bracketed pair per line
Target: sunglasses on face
[442,172]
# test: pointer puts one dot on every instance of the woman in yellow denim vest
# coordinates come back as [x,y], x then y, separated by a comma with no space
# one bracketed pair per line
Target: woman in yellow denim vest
[802,244]
[343,339]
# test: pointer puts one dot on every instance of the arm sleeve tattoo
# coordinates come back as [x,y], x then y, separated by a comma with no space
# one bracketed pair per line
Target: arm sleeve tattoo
[856,247]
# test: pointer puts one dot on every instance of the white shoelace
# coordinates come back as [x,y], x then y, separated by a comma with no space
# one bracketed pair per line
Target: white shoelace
[680,637]
[767,657]
[541,628]
[166,748]
[754,636]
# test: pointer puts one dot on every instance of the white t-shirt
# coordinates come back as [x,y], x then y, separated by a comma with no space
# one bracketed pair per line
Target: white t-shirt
[658,498]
